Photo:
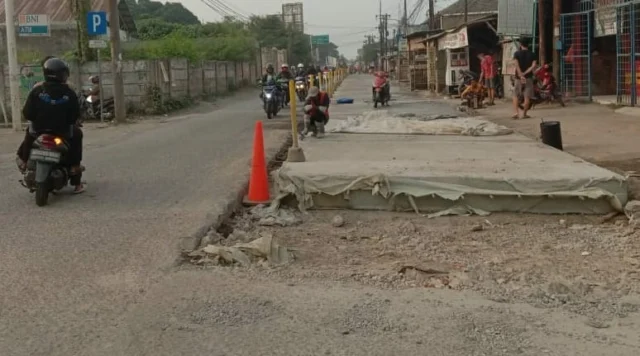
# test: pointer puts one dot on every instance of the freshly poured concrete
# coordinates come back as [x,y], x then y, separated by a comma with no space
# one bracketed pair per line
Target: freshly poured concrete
[451,174]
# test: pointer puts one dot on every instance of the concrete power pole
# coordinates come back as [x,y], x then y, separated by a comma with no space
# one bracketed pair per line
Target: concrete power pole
[466,11]
[116,66]
[14,71]
[432,25]
[542,43]
[557,9]
[406,19]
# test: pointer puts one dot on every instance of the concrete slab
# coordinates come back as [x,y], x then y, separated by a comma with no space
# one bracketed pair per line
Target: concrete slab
[436,173]
[440,174]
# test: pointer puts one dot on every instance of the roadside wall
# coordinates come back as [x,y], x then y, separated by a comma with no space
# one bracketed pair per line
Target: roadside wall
[169,78]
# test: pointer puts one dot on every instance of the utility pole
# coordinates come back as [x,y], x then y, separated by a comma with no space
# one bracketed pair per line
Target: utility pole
[557,9]
[432,25]
[466,11]
[290,45]
[542,44]
[406,19]
[14,71]
[116,66]
[380,28]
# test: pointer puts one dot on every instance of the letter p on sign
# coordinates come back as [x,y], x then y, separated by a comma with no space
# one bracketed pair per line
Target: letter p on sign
[97,23]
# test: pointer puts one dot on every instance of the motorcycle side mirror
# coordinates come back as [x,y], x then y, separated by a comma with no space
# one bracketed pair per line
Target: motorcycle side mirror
[89,100]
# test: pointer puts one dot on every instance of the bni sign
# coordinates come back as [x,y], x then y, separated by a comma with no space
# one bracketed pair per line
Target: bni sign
[33,25]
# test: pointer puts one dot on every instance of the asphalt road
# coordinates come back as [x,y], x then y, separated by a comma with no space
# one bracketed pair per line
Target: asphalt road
[69,270]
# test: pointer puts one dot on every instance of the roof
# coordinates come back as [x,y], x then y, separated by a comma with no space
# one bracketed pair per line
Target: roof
[471,23]
[472,6]
[59,11]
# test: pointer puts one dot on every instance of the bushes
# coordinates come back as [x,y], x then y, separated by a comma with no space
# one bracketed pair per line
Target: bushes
[177,45]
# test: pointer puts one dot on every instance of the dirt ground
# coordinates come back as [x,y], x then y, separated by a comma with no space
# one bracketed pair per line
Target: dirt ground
[585,266]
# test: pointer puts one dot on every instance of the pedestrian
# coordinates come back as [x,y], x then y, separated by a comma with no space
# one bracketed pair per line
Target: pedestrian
[525,63]
[488,74]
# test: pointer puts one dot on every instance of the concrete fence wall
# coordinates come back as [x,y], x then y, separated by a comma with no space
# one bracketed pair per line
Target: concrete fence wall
[173,78]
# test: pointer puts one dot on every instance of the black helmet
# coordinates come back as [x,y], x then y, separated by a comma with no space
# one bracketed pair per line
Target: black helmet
[55,70]
[45,60]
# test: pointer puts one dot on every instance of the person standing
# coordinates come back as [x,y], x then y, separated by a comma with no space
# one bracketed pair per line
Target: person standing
[488,75]
[525,63]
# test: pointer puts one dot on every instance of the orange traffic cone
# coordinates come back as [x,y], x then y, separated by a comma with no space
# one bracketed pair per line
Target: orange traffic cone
[258,183]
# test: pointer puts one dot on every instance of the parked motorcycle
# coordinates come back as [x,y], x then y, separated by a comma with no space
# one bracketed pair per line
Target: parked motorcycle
[545,88]
[301,88]
[47,170]
[90,110]
[271,100]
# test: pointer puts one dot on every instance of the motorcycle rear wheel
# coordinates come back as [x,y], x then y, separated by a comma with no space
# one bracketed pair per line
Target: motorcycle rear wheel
[42,194]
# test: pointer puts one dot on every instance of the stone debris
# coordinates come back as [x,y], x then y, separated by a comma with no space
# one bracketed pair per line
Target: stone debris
[273,216]
[260,250]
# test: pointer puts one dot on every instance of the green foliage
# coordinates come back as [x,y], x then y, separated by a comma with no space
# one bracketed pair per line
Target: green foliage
[176,45]
[172,12]
[270,32]
[158,105]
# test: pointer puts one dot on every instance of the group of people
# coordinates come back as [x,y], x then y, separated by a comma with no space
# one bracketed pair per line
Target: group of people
[52,106]
[485,86]
[316,106]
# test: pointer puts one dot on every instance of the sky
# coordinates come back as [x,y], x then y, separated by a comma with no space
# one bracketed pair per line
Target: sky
[347,22]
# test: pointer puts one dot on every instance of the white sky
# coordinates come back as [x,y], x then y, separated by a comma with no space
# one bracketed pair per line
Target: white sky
[347,22]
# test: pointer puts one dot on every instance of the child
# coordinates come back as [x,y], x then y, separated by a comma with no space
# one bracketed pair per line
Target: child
[473,92]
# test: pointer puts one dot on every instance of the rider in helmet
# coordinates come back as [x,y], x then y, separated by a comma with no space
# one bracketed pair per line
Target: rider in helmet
[53,107]
[285,73]
[270,74]
[312,70]
[301,72]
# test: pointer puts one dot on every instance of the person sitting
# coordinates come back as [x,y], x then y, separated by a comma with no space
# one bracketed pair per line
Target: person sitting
[53,107]
[316,112]
[473,94]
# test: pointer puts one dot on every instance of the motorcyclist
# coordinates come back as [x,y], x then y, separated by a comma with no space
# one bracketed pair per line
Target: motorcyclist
[285,73]
[382,80]
[316,112]
[301,72]
[312,70]
[53,107]
[269,78]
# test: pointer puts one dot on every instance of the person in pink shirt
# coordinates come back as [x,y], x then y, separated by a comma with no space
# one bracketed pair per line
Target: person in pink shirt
[488,75]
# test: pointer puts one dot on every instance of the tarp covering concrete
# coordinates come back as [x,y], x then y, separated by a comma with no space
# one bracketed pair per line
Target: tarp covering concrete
[449,175]
[383,121]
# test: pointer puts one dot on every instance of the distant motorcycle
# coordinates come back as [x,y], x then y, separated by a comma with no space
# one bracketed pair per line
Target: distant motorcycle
[301,88]
[380,91]
[90,109]
[271,100]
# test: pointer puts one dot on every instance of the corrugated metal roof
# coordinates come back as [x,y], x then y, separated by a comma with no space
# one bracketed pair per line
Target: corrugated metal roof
[59,11]
[472,6]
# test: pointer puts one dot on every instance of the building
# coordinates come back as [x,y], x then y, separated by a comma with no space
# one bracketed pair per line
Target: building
[64,34]
[293,16]
[453,15]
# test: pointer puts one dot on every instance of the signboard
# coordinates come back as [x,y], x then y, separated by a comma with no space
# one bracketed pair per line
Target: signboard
[605,17]
[96,23]
[453,40]
[402,45]
[97,44]
[33,26]
[320,40]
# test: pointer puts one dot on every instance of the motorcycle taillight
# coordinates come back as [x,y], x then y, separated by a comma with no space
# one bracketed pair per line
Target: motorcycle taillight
[49,141]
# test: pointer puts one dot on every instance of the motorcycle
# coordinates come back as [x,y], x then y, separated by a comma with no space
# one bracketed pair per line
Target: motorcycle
[545,88]
[271,100]
[47,170]
[380,94]
[90,109]
[465,77]
[284,86]
[301,88]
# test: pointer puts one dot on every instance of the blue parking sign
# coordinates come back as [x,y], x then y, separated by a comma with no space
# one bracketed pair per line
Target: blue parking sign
[97,23]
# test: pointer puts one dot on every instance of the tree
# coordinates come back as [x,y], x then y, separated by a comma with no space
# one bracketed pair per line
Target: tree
[168,12]
[270,31]
[79,8]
